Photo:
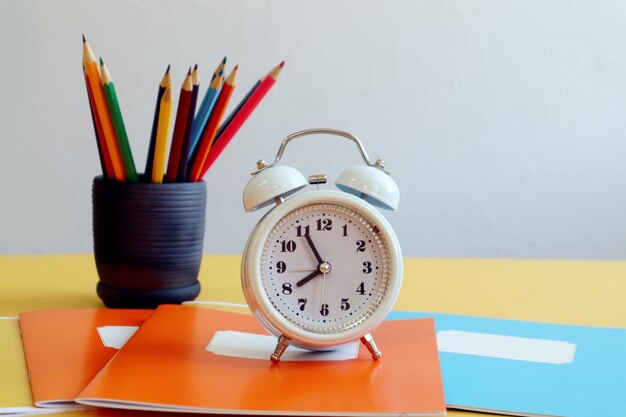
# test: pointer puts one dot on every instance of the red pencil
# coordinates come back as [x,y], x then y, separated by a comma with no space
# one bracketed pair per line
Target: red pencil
[103,152]
[180,126]
[184,149]
[240,118]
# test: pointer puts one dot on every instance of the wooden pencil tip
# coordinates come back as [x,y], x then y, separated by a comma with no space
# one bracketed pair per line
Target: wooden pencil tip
[189,72]
[195,67]
[224,60]
[101,62]
[84,40]
[282,63]
[167,70]
[236,67]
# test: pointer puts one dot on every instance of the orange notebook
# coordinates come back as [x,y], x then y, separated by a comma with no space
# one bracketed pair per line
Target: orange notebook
[64,350]
[166,367]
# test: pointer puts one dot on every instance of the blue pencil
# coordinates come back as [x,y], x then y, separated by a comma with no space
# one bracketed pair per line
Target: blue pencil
[210,97]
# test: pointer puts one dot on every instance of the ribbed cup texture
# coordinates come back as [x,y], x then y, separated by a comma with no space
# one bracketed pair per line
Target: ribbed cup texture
[147,241]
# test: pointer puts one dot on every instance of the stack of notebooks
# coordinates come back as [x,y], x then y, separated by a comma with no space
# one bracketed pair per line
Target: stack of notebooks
[195,360]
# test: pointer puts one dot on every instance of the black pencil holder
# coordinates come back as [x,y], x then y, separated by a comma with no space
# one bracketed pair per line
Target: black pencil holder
[147,241]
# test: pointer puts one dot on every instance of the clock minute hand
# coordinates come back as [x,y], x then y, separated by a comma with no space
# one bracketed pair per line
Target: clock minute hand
[315,252]
[308,278]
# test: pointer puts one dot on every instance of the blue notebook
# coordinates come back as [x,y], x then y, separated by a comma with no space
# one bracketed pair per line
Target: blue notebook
[530,368]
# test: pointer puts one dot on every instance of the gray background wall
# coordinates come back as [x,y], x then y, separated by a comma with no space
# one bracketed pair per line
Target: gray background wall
[502,122]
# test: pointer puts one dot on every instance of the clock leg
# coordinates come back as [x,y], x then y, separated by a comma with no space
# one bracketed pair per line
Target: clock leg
[282,344]
[368,341]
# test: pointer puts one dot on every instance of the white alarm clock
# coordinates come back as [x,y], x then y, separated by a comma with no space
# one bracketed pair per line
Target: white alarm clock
[323,267]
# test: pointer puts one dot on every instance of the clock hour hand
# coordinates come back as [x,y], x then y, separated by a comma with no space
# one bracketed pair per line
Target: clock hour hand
[315,252]
[308,278]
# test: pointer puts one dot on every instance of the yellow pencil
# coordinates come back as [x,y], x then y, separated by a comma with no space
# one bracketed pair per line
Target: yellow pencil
[160,148]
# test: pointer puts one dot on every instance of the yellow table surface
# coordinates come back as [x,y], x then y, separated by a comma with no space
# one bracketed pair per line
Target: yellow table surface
[568,292]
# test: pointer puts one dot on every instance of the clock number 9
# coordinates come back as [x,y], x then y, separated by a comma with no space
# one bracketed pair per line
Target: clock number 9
[281,267]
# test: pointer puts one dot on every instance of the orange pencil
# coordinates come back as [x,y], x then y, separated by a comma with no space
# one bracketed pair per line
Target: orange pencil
[211,127]
[101,111]
[103,152]
[180,126]
[239,119]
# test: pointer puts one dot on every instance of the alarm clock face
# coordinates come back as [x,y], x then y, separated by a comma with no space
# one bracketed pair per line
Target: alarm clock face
[325,267]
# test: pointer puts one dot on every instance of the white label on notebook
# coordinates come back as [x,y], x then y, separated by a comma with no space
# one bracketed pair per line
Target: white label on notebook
[257,346]
[506,347]
[116,336]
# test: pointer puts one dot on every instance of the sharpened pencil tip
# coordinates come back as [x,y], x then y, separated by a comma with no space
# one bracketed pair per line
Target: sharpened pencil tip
[167,70]
[224,60]
[236,67]
[84,40]
[195,67]
[101,61]
[282,63]
[189,72]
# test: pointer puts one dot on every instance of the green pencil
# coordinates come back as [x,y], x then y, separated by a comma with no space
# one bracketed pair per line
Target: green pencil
[118,123]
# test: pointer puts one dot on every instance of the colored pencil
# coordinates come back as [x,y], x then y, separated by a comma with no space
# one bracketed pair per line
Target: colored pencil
[105,162]
[102,112]
[118,122]
[240,118]
[209,133]
[180,125]
[184,149]
[210,97]
[239,106]
[163,128]
[165,81]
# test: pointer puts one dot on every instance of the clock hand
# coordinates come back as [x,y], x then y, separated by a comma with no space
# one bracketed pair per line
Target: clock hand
[324,271]
[315,252]
[308,278]
[303,269]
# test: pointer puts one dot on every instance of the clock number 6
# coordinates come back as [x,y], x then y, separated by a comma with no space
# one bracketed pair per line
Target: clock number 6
[324,310]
